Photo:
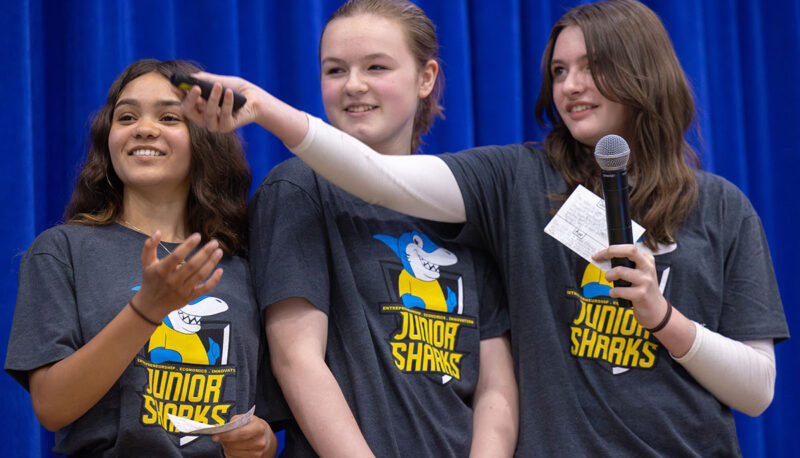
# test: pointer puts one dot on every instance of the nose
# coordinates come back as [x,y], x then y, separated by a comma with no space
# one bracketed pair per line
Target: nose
[574,82]
[146,128]
[355,83]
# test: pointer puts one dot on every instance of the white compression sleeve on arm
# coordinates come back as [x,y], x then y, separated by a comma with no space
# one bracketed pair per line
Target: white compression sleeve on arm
[417,185]
[740,374]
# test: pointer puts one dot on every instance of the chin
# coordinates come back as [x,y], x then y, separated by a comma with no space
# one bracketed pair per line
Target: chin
[361,134]
[585,139]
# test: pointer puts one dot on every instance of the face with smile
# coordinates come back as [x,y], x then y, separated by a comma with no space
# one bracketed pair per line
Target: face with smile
[588,115]
[371,83]
[149,141]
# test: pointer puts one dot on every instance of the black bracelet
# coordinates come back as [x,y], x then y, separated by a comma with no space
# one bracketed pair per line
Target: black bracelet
[664,322]
[138,312]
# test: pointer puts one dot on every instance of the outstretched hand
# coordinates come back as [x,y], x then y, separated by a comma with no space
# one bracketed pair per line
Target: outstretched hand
[209,113]
[649,305]
[172,282]
[255,439]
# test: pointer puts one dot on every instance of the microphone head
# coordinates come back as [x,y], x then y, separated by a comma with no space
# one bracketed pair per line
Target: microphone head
[612,153]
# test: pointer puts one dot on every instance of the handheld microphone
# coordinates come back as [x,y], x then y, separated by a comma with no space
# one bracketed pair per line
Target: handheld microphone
[612,153]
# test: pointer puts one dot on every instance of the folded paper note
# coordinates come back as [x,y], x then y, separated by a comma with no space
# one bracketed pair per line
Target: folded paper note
[188,426]
[580,224]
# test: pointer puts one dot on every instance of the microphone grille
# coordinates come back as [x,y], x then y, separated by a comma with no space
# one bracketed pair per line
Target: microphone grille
[612,152]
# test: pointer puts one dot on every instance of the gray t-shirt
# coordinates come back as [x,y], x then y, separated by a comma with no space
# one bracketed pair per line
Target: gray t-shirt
[406,312]
[592,381]
[201,363]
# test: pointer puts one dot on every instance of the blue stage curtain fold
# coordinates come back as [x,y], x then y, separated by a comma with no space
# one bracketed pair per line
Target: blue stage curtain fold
[59,58]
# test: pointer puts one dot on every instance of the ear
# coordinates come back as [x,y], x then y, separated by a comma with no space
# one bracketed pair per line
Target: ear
[428,78]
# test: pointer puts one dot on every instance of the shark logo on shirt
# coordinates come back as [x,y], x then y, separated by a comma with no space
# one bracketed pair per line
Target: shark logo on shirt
[418,283]
[428,303]
[187,368]
[603,331]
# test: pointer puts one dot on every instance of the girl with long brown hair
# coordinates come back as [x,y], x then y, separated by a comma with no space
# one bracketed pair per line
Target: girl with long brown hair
[595,378]
[123,318]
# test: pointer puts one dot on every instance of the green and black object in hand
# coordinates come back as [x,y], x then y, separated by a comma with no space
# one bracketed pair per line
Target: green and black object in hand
[186,83]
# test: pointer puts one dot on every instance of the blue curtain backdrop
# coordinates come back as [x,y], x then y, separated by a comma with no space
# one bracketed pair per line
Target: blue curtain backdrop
[58,59]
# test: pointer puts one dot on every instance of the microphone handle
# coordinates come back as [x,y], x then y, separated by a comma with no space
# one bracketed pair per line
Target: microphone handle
[618,219]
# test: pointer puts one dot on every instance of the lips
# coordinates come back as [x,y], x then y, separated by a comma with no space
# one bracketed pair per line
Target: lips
[145,152]
[577,111]
[360,108]
[579,107]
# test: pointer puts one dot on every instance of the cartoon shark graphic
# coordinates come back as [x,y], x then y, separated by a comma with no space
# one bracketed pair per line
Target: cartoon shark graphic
[177,340]
[418,285]
[594,283]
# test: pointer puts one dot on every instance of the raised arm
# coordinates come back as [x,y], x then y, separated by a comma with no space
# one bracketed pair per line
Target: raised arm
[63,391]
[418,185]
[297,333]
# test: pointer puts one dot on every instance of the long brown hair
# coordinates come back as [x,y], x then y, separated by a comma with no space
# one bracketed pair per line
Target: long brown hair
[220,177]
[632,62]
[422,42]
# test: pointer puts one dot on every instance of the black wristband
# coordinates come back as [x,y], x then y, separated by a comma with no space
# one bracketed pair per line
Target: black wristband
[664,322]
[138,312]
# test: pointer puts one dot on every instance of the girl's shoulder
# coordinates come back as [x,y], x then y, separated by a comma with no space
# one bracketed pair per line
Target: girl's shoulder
[511,156]
[718,191]
[60,235]
[63,238]
[721,208]
[292,170]
[530,150]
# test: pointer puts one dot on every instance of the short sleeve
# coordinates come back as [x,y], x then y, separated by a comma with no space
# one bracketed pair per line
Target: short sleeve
[752,306]
[289,255]
[493,308]
[486,178]
[45,327]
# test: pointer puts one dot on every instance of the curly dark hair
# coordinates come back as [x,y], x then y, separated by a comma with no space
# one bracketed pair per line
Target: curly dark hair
[220,176]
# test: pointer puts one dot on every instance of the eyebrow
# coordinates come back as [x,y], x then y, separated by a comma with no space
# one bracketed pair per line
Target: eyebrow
[134,102]
[563,62]
[367,57]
